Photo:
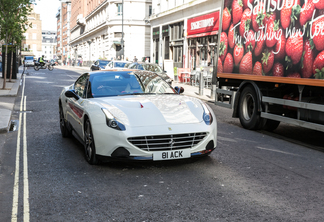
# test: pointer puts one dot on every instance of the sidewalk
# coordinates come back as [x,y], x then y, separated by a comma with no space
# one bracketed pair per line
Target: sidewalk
[7,100]
[189,90]
[8,96]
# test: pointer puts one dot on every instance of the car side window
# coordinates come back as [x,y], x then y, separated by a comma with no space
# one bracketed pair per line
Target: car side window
[80,85]
[97,62]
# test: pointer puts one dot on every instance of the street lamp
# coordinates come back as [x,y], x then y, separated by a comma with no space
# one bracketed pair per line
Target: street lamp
[89,42]
[122,39]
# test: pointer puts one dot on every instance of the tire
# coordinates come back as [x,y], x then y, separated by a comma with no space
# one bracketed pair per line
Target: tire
[271,125]
[248,109]
[36,68]
[66,133]
[89,144]
[50,68]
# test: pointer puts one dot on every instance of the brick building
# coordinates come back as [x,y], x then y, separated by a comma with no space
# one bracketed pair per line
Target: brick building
[33,35]
[63,16]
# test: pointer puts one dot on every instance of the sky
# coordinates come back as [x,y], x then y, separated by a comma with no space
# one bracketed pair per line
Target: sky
[48,10]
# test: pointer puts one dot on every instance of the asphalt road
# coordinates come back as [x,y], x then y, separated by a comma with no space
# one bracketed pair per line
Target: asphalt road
[251,176]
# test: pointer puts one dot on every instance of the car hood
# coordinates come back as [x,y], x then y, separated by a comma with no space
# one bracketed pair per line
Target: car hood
[153,109]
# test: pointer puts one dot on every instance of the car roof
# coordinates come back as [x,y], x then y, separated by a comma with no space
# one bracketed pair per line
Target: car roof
[123,71]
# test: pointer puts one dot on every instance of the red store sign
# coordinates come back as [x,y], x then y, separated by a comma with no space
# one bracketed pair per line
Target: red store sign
[203,25]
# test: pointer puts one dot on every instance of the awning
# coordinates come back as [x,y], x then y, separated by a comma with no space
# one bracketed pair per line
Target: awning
[202,34]
[116,42]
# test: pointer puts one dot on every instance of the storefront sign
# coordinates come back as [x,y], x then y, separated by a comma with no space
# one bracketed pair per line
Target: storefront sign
[203,24]
[165,30]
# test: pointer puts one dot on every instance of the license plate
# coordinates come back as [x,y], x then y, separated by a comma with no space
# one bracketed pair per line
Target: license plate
[171,155]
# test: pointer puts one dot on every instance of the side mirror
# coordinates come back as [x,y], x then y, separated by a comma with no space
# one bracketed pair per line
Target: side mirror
[71,94]
[179,90]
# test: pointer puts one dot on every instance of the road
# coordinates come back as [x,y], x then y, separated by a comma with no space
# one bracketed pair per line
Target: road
[251,176]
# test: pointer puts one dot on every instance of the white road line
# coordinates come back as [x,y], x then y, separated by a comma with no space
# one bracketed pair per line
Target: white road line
[26,185]
[277,151]
[14,212]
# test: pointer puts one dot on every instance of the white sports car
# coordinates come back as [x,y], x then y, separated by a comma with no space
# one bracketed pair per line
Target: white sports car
[135,115]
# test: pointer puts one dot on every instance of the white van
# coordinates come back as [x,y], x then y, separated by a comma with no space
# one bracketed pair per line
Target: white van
[29,61]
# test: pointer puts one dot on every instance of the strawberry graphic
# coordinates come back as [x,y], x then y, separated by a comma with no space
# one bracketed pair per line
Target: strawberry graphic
[259,44]
[238,53]
[307,60]
[294,75]
[306,12]
[245,22]
[318,34]
[289,13]
[223,46]
[267,60]
[269,17]
[279,49]
[245,3]
[231,38]
[272,29]
[246,66]
[319,4]
[278,69]
[318,66]
[228,63]
[237,10]
[294,47]
[219,66]
[226,19]
[250,41]
[257,69]
[258,16]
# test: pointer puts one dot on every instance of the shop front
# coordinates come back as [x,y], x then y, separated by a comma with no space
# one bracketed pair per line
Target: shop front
[202,32]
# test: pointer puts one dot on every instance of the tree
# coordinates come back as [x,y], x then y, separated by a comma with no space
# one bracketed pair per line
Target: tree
[13,23]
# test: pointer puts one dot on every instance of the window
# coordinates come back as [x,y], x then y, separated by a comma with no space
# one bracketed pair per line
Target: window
[34,26]
[119,9]
[80,85]
[26,35]
[150,10]
[34,36]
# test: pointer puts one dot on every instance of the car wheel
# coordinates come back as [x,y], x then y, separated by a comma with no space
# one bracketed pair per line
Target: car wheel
[63,126]
[248,110]
[89,144]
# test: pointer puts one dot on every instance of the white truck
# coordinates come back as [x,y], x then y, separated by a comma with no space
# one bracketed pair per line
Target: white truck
[271,62]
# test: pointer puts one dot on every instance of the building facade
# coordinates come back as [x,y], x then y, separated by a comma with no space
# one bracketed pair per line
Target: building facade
[184,33]
[49,43]
[98,28]
[33,35]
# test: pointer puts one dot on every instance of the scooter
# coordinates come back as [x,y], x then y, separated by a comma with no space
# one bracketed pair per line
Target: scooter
[47,65]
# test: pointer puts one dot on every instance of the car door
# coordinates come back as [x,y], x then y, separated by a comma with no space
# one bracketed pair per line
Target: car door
[75,116]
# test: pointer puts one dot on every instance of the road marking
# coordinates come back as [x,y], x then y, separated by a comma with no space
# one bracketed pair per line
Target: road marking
[26,185]
[278,151]
[15,202]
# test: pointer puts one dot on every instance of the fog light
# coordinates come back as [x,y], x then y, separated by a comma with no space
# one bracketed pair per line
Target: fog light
[120,152]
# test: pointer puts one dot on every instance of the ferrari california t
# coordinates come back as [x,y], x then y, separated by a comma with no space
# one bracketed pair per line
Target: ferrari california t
[135,115]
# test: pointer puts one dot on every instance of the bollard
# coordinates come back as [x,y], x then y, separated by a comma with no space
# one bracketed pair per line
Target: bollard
[201,84]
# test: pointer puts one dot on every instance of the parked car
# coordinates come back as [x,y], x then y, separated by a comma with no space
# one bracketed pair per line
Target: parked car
[29,61]
[135,115]
[151,67]
[116,64]
[99,64]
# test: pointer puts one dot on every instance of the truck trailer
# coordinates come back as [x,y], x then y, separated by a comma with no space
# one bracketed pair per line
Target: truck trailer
[270,65]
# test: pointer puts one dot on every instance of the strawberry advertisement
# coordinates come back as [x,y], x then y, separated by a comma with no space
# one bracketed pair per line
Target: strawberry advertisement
[283,38]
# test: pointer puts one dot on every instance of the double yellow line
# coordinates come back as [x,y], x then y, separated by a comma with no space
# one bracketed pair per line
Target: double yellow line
[15,202]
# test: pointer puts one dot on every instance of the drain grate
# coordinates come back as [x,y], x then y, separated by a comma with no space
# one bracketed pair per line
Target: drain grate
[14,125]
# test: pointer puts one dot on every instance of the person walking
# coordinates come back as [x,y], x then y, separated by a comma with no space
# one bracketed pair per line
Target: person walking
[135,59]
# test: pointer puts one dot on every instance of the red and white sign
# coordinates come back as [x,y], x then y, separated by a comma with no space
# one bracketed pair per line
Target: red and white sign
[203,24]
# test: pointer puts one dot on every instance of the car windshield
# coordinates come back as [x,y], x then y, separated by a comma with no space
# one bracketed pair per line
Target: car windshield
[128,83]
[103,63]
[29,58]
[152,67]
[120,64]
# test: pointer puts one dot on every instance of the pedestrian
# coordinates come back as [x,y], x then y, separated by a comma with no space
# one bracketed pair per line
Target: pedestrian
[118,58]
[147,60]
[135,59]
[81,60]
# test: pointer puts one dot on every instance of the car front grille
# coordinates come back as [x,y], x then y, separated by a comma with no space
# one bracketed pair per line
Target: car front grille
[167,142]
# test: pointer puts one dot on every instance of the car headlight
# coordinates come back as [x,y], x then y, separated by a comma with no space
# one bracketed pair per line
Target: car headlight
[207,116]
[112,122]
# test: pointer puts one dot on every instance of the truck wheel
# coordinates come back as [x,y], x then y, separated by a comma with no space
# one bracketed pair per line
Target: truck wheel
[271,125]
[248,109]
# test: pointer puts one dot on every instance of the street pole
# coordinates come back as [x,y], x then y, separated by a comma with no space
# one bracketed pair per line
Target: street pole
[122,39]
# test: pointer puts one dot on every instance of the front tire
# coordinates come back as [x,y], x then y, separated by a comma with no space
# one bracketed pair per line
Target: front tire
[89,144]
[271,125]
[248,109]
[50,68]
[36,68]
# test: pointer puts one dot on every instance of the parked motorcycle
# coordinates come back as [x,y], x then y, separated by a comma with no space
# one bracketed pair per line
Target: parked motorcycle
[47,65]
